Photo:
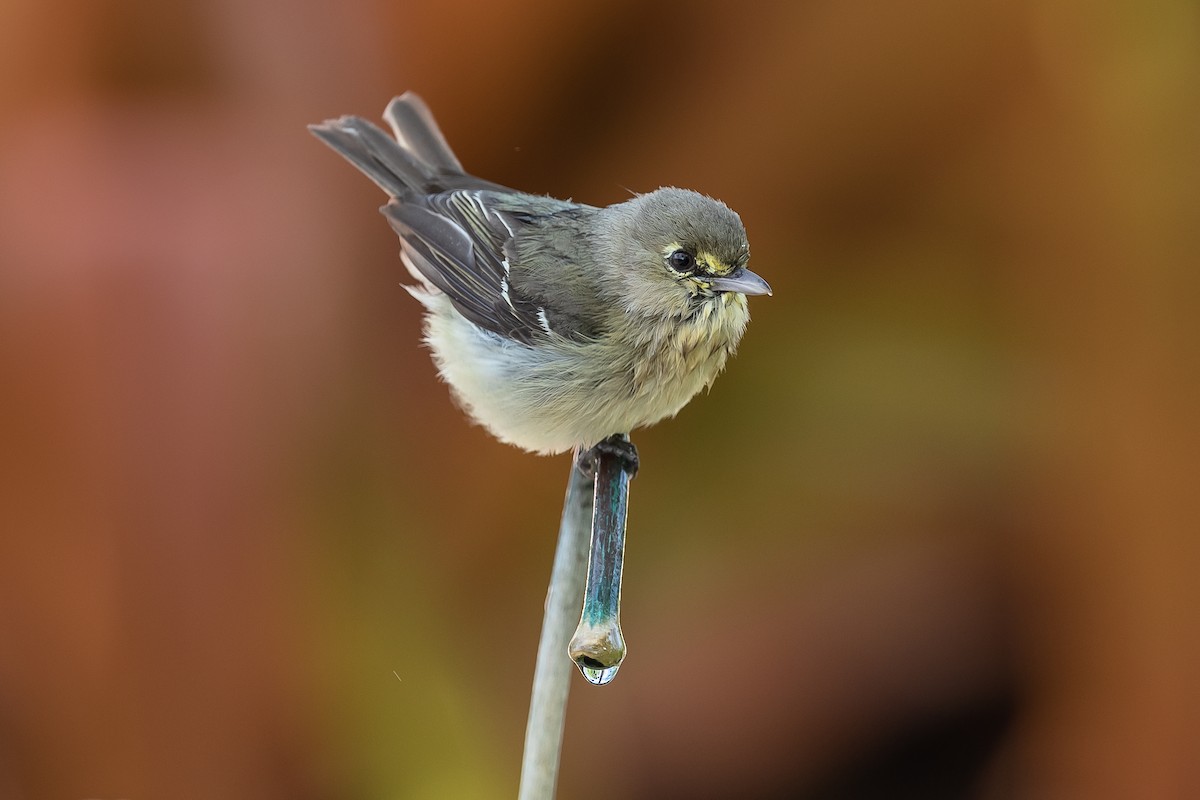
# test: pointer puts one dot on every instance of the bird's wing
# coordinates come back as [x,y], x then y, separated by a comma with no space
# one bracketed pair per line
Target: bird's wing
[461,242]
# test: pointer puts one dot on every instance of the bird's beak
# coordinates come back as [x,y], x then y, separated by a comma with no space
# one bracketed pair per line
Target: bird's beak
[741,280]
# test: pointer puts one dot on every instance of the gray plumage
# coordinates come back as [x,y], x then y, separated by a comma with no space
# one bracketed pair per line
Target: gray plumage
[556,324]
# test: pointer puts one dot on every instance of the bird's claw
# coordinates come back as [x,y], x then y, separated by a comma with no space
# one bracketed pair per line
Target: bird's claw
[616,446]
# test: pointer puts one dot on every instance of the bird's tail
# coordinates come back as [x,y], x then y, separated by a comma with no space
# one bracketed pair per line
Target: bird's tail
[417,160]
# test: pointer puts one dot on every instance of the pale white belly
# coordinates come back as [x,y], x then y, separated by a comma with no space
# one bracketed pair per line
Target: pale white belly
[568,394]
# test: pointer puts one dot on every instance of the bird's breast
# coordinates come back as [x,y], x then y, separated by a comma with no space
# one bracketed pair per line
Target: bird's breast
[690,350]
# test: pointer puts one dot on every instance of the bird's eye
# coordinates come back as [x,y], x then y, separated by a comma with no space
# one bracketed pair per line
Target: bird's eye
[682,261]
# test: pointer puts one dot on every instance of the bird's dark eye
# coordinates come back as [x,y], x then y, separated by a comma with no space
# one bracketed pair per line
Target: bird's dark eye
[682,261]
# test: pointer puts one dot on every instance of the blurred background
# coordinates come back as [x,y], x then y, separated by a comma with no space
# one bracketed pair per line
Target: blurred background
[931,536]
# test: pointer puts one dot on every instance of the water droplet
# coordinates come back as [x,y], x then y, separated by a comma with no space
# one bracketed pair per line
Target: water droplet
[599,676]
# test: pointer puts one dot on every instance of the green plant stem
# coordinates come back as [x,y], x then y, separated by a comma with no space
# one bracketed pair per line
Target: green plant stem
[552,673]
[598,646]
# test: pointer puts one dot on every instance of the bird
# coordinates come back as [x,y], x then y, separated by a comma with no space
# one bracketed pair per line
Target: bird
[557,325]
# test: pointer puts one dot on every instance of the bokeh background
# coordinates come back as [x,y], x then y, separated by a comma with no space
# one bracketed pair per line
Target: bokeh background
[933,535]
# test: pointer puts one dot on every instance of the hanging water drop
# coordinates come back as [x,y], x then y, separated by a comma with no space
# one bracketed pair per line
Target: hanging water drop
[597,675]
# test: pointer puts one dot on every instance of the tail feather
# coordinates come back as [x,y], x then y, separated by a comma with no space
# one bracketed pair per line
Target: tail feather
[417,132]
[417,160]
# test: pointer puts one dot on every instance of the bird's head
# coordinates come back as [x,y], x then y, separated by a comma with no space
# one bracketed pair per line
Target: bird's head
[688,250]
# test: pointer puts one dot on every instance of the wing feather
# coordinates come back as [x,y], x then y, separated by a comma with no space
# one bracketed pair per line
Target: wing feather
[460,242]
[461,234]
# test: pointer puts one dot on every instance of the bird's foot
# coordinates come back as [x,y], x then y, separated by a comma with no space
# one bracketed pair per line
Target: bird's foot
[616,446]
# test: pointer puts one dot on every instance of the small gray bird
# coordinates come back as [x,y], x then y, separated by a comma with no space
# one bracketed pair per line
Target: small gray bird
[556,324]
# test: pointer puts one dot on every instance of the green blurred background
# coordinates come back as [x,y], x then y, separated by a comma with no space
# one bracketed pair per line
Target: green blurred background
[932,535]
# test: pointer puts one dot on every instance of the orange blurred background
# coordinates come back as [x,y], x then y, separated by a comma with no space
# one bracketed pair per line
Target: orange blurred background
[930,536]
